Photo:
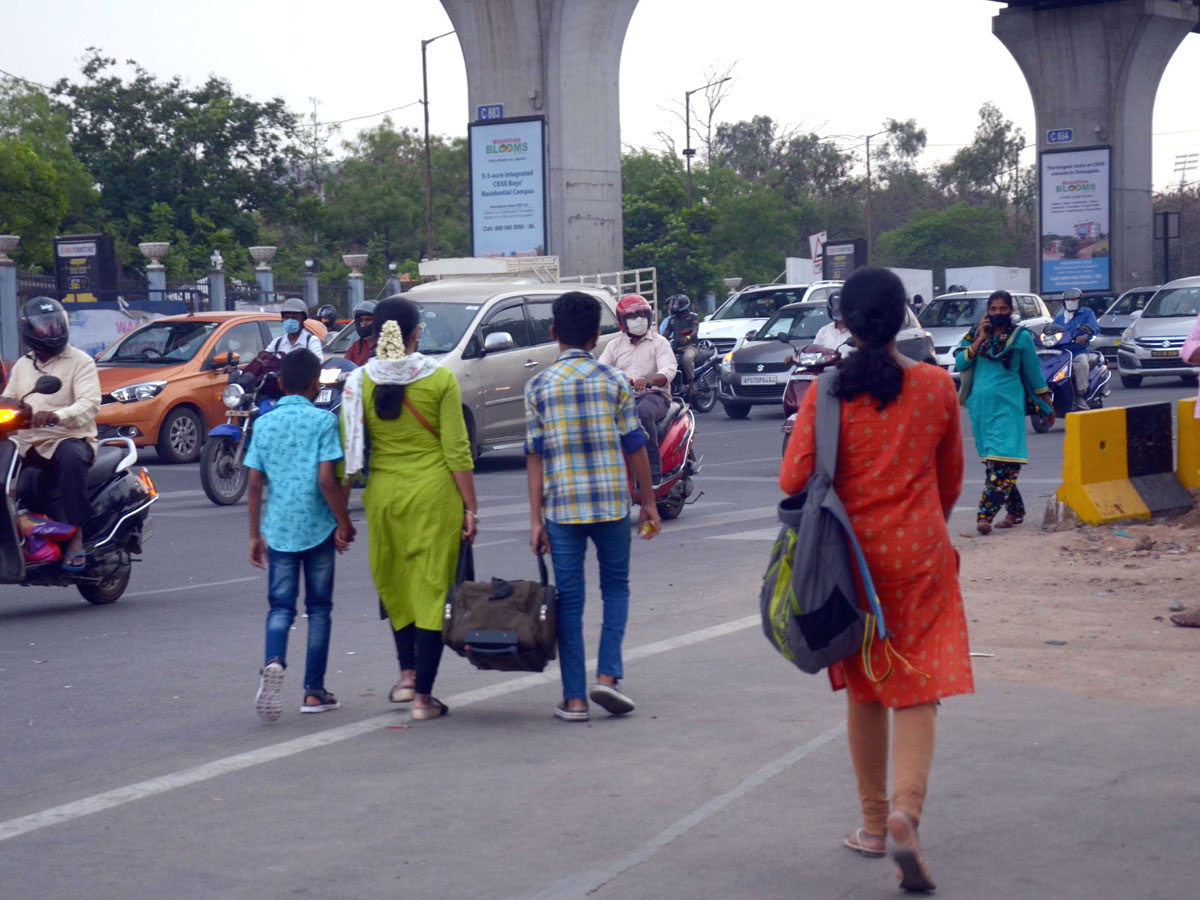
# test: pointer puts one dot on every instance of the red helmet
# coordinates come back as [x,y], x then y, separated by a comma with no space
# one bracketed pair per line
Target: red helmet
[632,305]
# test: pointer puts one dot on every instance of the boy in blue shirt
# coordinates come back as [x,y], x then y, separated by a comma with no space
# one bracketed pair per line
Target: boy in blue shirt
[293,452]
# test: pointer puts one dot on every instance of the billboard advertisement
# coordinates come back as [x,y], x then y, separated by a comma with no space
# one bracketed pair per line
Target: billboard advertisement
[1076,222]
[84,265]
[508,187]
[841,258]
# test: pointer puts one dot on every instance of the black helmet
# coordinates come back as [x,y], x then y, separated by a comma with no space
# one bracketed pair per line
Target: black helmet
[364,308]
[44,325]
[678,303]
[328,311]
[835,306]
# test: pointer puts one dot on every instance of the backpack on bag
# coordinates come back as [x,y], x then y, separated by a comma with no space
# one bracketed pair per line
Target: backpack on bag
[810,596]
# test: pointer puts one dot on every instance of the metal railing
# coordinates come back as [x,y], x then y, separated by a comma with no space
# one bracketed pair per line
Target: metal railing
[629,281]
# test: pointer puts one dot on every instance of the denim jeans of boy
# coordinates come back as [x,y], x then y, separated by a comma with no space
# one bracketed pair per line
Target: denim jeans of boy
[568,550]
[283,591]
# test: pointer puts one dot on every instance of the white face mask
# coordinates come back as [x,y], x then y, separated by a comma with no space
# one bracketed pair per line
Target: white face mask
[637,325]
[1072,305]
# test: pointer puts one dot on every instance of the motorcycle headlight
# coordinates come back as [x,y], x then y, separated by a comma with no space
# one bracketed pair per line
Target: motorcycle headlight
[1062,373]
[727,362]
[810,359]
[232,395]
[141,391]
[331,376]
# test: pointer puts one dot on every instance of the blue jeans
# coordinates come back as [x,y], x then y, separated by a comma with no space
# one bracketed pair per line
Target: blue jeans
[568,548]
[283,591]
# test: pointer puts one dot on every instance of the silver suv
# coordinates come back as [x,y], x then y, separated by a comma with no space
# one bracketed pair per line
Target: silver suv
[1151,345]
[1117,318]
[494,336]
[949,317]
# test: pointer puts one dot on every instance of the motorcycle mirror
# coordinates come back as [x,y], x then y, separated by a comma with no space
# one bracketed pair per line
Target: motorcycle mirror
[47,384]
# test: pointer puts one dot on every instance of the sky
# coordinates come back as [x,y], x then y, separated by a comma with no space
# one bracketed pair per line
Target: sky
[833,68]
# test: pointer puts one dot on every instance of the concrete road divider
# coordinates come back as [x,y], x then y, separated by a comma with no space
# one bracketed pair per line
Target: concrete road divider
[1118,464]
[1187,465]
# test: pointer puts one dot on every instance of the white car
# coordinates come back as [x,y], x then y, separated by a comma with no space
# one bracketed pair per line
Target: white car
[749,309]
[1152,344]
[949,317]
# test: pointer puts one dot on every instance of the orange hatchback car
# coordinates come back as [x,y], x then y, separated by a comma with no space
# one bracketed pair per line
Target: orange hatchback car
[162,383]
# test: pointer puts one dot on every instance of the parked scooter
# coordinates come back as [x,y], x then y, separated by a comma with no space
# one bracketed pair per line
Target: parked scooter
[809,363]
[1057,364]
[119,524]
[250,394]
[676,435]
[706,373]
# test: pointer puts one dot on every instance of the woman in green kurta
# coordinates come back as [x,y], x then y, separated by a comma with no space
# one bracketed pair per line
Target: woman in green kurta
[420,494]
[1000,369]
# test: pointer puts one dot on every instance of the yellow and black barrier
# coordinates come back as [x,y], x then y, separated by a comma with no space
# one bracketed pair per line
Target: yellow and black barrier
[1119,464]
[1187,466]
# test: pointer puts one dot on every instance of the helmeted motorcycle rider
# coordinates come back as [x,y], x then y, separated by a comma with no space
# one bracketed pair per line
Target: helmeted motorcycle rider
[61,442]
[294,312]
[364,323]
[835,335]
[327,315]
[647,360]
[1074,316]
[683,331]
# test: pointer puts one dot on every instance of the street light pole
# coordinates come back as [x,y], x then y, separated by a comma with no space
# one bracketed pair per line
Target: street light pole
[428,163]
[687,121]
[868,204]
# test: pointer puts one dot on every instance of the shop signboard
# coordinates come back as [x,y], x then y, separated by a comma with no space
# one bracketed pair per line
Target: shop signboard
[841,258]
[1076,222]
[508,187]
[84,266]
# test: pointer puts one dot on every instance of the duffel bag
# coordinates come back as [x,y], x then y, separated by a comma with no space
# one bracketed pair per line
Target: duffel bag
[508,626]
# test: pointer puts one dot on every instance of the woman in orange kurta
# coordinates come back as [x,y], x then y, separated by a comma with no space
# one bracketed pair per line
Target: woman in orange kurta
[899,473]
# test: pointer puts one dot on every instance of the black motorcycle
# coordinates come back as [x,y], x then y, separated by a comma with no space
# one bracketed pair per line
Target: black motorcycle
[252,393]
[119,524]
[704,394]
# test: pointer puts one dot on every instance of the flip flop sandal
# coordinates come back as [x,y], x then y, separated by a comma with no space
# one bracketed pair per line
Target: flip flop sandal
[79,564]
[401,694]
[914,876]
[983,527]
[854,840]
[1187,619]
[436,711]
[1011,522]
[328,702]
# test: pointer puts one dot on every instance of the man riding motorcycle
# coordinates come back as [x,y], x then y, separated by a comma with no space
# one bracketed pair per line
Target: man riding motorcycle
[61,442]
[1081,324]
[294,312]
[647,360]
[683,331]
[835,335]
[364,348]
[327,316]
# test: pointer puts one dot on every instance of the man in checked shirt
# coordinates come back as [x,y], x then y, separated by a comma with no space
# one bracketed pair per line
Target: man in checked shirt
[581,420]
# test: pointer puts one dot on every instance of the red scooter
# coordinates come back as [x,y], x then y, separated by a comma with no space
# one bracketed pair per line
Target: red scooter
[676,434]
[809,363]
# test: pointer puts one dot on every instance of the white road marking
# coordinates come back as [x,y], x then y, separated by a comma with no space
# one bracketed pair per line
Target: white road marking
[141,790]
[744,462]
[581,886]
[193,587]
[725,518]
[760,534]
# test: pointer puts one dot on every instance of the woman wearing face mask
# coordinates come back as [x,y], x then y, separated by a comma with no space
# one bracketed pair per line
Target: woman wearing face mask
[1000,369]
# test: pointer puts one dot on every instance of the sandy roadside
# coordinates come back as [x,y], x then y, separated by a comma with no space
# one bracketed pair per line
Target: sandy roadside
[1106,592]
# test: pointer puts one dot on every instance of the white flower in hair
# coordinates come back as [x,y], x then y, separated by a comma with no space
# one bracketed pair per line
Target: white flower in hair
[391,342]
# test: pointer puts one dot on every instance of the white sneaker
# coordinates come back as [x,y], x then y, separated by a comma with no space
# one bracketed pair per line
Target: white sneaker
[269,702]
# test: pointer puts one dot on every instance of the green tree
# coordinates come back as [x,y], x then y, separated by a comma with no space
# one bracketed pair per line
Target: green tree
[936,239]
[988,170]
[33,201]
[203,150]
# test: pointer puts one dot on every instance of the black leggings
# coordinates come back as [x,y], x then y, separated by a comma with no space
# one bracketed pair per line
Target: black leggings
[420,649]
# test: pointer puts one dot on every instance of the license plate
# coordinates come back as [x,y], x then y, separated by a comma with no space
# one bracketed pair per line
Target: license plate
[1117,342]
[325,396]
[804,376]
[1164,352]
[760,379]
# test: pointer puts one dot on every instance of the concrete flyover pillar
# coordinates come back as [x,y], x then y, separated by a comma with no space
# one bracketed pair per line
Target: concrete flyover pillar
[1094,68]
[559,59]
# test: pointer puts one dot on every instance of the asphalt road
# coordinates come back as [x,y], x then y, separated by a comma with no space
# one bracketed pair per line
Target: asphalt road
[132,764]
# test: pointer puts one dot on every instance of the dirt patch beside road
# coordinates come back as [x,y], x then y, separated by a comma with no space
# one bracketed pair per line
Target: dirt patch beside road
[1106,592]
